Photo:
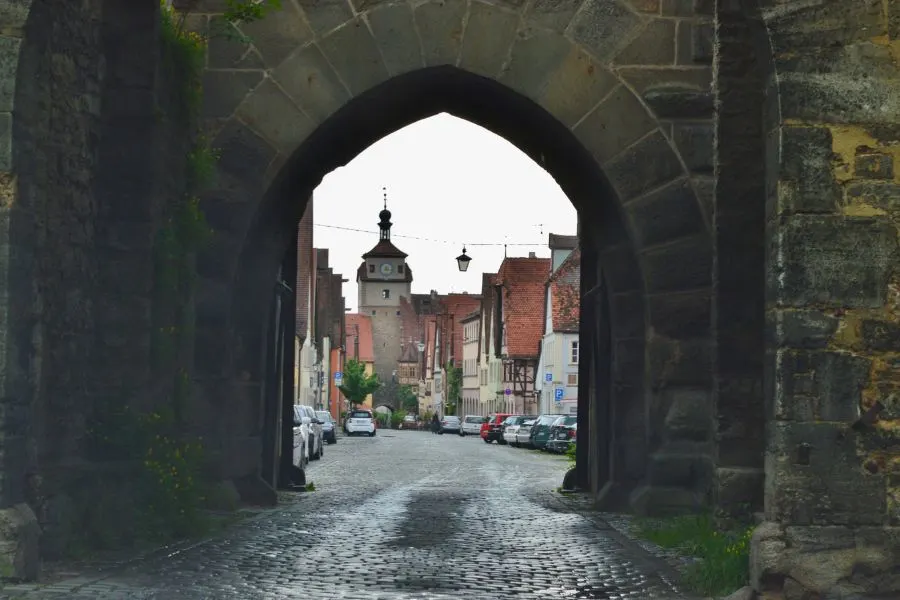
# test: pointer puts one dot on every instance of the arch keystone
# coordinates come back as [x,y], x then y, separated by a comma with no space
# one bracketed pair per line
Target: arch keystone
[269,111]
[441,27]
[352,51]
[617,122]
[490,32]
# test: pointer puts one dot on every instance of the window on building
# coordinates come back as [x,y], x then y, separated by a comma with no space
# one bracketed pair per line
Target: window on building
[374,312]
[385,294]
[400,269]
[572,379]
[574,357]
[371,268]
[398,313]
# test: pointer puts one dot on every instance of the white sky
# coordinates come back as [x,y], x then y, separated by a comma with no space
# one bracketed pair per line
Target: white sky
[447,180]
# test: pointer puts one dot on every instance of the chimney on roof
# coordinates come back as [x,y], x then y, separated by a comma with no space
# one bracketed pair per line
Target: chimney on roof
[531,255]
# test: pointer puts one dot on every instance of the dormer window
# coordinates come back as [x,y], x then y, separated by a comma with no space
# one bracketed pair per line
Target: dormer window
[371,268]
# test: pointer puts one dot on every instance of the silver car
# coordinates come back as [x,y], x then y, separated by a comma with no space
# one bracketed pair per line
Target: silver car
[523,435]
[471,425]
[315,439]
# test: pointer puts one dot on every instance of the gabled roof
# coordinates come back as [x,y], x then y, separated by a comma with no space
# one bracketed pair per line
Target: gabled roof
[523,282]
[366,346]
[385,249]
[410,353]
[565,295]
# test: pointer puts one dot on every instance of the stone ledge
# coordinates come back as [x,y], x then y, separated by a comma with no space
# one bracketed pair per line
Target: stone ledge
[816,561]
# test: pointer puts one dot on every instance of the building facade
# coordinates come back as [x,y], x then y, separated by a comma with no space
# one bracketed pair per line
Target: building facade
[517,309]
[557,381]
[359,347]
[471,393]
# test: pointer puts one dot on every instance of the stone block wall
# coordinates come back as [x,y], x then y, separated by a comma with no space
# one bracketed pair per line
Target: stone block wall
[91,161]
[832,301]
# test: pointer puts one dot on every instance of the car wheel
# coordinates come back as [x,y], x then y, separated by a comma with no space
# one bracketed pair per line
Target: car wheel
[372,434]
[487,441]
[441,432]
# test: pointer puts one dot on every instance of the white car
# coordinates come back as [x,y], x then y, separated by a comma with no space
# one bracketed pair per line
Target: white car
[360,422]
[471,425]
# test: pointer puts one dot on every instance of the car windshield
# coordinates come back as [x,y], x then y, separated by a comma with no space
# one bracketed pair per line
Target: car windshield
[324,415]
[474,419]
[451,418]
[360,414]
[547,419]
[569,421]
[528,423]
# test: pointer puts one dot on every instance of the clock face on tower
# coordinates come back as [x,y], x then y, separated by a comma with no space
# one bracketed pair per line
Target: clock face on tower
[386,269]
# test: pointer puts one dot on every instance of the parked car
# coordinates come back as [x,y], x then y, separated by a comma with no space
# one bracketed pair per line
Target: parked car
[523,435]
[409,422]
[316,438]
[450,424]
[511,428]
[562,434]
[360,422]
[301,438]
[471,425]
[540,431]
[490,429]
[328,429]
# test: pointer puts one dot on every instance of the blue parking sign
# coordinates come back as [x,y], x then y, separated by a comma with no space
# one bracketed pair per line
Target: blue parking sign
[548,377]
[558,394]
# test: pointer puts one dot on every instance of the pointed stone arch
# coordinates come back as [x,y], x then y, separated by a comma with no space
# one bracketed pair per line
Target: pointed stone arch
[613,101]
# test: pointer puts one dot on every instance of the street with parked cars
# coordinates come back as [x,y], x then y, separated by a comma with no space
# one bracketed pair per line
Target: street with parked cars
[403,515]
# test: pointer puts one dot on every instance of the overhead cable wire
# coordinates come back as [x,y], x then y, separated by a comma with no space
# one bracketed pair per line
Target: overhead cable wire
[424,239]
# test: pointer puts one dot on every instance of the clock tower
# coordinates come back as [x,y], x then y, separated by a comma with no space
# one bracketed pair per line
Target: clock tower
[382,278]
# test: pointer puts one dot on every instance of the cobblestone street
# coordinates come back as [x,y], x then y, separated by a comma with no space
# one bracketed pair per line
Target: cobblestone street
[403,515]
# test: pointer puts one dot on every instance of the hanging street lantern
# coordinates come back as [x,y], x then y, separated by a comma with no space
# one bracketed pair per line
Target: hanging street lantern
[463,261]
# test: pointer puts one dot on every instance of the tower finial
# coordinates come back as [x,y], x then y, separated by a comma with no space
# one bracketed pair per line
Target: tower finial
[384,192]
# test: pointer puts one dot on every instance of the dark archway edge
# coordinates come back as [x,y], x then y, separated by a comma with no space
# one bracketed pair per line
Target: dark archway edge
[391,106]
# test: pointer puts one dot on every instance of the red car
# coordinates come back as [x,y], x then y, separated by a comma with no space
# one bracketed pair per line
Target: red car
[491,430]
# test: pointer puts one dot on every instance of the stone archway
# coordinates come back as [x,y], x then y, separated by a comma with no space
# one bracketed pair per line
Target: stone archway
[614,102]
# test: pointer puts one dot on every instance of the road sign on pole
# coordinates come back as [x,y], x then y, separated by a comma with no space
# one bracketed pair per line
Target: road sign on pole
[338,375]
[507,391]
[548,377]
[558,394]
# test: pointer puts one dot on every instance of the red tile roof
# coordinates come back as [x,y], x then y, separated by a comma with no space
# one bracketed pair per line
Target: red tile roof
[523,281]
[366,347]
[565,295]
[387,249]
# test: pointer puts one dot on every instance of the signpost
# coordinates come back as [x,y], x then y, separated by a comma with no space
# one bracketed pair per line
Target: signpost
[558,394]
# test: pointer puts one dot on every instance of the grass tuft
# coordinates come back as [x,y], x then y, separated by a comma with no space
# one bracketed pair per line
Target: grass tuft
[724,556]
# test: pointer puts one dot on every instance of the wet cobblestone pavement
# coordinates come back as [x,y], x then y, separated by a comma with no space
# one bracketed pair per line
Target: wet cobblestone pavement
[404,515]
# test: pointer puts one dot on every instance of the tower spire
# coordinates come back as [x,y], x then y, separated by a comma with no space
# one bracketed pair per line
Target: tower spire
[385,215]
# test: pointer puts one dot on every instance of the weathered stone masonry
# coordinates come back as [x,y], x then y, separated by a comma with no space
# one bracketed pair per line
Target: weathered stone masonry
[735,171]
